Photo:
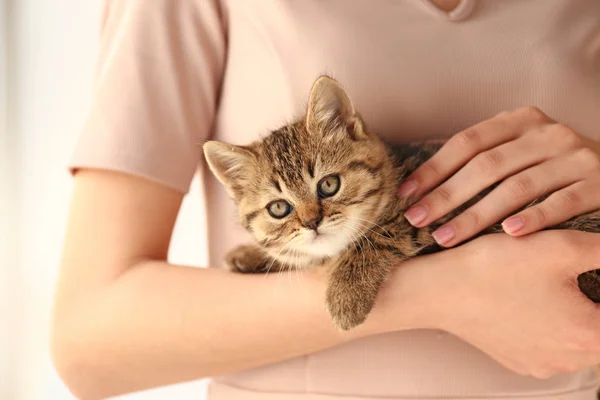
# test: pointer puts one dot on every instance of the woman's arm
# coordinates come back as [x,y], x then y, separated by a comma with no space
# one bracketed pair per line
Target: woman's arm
[126,320]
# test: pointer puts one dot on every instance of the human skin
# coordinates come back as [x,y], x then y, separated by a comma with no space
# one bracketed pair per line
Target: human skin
[530,154]
[125,319]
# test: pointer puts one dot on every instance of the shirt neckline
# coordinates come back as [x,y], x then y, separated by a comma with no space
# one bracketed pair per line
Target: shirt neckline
[462,11]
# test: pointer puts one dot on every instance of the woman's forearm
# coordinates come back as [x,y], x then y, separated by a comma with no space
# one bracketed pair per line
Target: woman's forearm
[121,324]
[159,324]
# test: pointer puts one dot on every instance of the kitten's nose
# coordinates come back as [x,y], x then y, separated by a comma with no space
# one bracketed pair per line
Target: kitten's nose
[313,223]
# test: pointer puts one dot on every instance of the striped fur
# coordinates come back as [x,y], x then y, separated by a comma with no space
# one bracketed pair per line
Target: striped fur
[362,232]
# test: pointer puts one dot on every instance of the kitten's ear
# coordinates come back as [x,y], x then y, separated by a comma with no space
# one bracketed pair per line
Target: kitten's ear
[231,165]
[329,106]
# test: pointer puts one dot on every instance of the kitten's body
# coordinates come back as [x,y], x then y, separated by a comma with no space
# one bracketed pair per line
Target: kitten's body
[359,232]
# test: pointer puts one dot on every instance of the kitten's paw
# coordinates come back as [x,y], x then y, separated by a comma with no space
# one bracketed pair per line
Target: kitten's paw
[245,259]
[347,308]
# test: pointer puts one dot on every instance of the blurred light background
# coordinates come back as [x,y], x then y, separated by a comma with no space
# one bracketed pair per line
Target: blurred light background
[48,52]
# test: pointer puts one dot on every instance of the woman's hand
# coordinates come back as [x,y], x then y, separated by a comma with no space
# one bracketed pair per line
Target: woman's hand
[530,153]
[518,300]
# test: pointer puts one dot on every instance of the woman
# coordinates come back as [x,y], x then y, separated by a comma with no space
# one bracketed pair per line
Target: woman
[496,318]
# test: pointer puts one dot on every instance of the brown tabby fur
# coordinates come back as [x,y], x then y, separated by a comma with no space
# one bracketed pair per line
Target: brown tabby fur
[363,232]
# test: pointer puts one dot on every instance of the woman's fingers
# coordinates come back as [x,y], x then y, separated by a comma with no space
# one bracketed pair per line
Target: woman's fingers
[527,151]
[560,206]
[465,145]
[513,194]
[484,170]
[456,153]
[576,199]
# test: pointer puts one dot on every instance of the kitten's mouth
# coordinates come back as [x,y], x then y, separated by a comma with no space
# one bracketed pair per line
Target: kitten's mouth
[327,242]
[319,237]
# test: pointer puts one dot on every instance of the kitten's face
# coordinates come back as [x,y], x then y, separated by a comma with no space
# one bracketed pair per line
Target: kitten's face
[310,189]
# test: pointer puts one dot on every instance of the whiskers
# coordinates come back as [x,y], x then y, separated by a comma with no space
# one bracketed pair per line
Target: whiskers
[355,238]
[339,234]
[292,261]
[389,235]
[295,265]
[356,231]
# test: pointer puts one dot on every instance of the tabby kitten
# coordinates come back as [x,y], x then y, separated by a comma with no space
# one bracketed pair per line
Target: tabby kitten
[322,191]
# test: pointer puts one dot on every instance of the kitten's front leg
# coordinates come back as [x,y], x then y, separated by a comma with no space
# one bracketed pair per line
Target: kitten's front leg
[248,259]
[354,283]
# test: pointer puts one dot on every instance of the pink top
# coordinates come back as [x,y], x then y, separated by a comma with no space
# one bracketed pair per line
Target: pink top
[173,73]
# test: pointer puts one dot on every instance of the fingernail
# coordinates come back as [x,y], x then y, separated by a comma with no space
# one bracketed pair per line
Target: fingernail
[513,224]
[416,214]
[444,234]
[408,188]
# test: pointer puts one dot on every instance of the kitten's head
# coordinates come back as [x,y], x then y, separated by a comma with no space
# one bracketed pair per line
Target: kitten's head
[309,189]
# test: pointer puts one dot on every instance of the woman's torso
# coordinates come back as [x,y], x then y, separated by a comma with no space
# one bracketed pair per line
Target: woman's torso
[414,74]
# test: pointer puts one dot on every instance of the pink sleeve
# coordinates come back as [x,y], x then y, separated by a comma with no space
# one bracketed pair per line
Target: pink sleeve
[156,89]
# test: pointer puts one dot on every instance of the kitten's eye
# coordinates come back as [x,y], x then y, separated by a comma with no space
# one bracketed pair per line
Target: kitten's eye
[328,186]
[279,208]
